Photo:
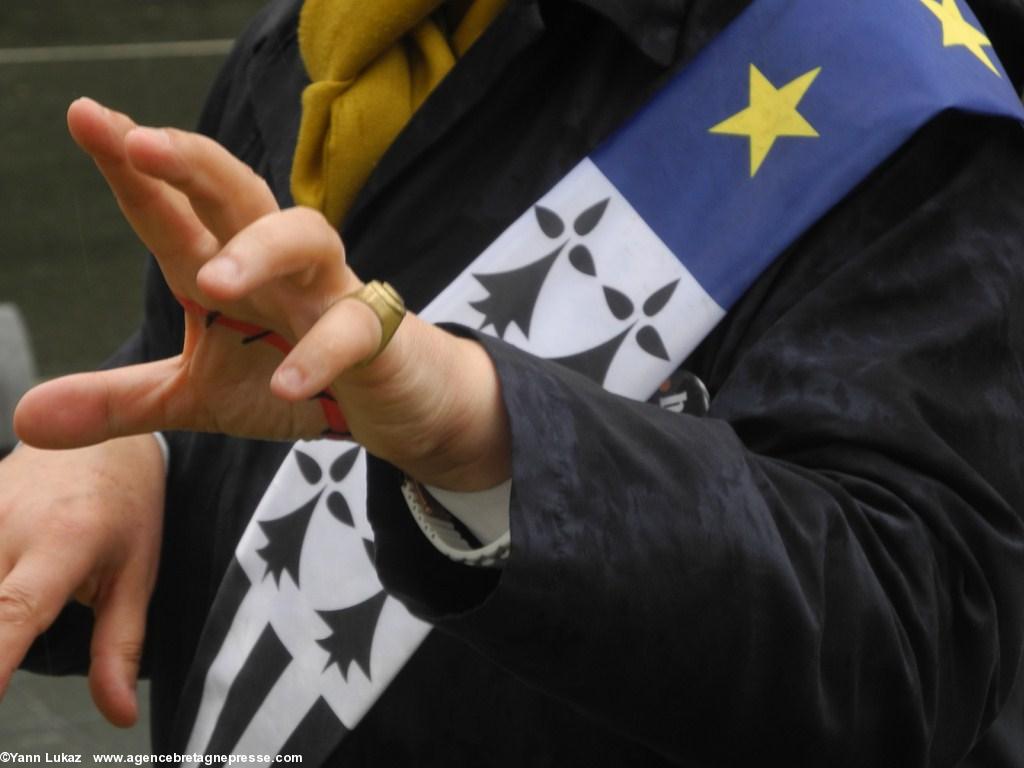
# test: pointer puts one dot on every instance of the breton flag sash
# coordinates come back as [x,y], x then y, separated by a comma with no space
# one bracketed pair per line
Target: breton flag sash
[620,271]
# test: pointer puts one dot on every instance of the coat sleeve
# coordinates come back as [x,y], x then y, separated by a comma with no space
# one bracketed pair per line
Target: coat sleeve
[828,567]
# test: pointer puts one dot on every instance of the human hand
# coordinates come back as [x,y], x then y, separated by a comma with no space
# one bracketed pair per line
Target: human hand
[83,524]
[223,245]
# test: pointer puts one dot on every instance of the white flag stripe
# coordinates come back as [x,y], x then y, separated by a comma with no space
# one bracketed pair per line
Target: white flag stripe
[246,628]
[287,703]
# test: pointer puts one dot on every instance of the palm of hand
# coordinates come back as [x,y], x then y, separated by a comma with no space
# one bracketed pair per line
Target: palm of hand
[222,385]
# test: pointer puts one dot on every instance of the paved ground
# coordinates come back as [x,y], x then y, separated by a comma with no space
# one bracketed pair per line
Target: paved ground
[66,258]
[41,715]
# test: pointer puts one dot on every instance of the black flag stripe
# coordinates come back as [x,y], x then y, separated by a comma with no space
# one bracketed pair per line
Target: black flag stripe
[233,590]
[316,736]
[262,668]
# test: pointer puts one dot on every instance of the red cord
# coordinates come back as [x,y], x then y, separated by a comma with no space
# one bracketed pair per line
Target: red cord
[337,427]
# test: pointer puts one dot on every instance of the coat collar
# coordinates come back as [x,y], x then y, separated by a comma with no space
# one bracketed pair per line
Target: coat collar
[666,31]
[673,31]
[654,26]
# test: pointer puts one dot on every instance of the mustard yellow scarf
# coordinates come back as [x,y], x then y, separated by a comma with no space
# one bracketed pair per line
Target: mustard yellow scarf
[372,63]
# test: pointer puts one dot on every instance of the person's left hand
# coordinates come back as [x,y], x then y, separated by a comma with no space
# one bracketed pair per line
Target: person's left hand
[429,403]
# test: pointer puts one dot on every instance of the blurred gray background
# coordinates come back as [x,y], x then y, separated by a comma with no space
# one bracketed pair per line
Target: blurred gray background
[67,259]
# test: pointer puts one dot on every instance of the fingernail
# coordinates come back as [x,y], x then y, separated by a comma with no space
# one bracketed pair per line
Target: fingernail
[222,271]
[289,378]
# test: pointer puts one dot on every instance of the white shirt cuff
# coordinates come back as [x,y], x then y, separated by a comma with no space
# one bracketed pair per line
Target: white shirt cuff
[485,514]
[165,449]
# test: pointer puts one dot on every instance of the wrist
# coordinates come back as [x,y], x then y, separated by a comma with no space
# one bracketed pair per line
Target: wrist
[476,438]
[431,405]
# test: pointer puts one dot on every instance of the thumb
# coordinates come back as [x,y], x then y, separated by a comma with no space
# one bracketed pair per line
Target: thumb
[116,651]
[88,408]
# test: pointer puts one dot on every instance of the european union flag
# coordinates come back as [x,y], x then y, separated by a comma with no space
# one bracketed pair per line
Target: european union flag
[783,114]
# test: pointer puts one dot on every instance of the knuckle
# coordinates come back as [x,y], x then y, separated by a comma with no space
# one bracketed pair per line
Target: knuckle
[18,606]
[202,243]
[183,141]
[304,217]
[70,527]
[312,219]
[182,171]
[318,237]
[260,182]
[129,650]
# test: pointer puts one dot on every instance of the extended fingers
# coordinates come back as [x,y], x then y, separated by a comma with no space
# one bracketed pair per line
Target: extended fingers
[88,408]
[160,214]
[116,650]
[224,192]
[31,596]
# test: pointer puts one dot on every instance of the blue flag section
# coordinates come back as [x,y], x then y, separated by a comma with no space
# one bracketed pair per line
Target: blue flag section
[783,114]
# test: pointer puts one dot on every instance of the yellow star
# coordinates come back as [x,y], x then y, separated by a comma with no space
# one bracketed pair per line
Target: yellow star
[956,31]
[771,114]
